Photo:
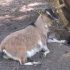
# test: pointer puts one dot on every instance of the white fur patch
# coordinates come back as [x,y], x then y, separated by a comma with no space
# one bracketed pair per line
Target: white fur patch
[36,49]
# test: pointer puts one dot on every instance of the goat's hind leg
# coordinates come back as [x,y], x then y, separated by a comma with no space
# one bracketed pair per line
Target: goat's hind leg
[32,63]
[6,55]
[9,56]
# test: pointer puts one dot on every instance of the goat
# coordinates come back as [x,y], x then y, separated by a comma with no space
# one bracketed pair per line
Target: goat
[25,43]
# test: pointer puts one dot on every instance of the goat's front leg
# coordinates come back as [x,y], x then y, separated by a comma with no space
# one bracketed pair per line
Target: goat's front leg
[54,40]
[45,48]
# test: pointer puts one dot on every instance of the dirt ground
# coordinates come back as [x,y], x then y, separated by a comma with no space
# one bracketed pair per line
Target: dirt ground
[11,20]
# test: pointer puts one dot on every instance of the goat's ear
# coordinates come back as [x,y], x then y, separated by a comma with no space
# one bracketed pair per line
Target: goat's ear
[51,14]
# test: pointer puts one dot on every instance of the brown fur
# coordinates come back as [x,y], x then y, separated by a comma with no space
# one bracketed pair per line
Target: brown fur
[19,42]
